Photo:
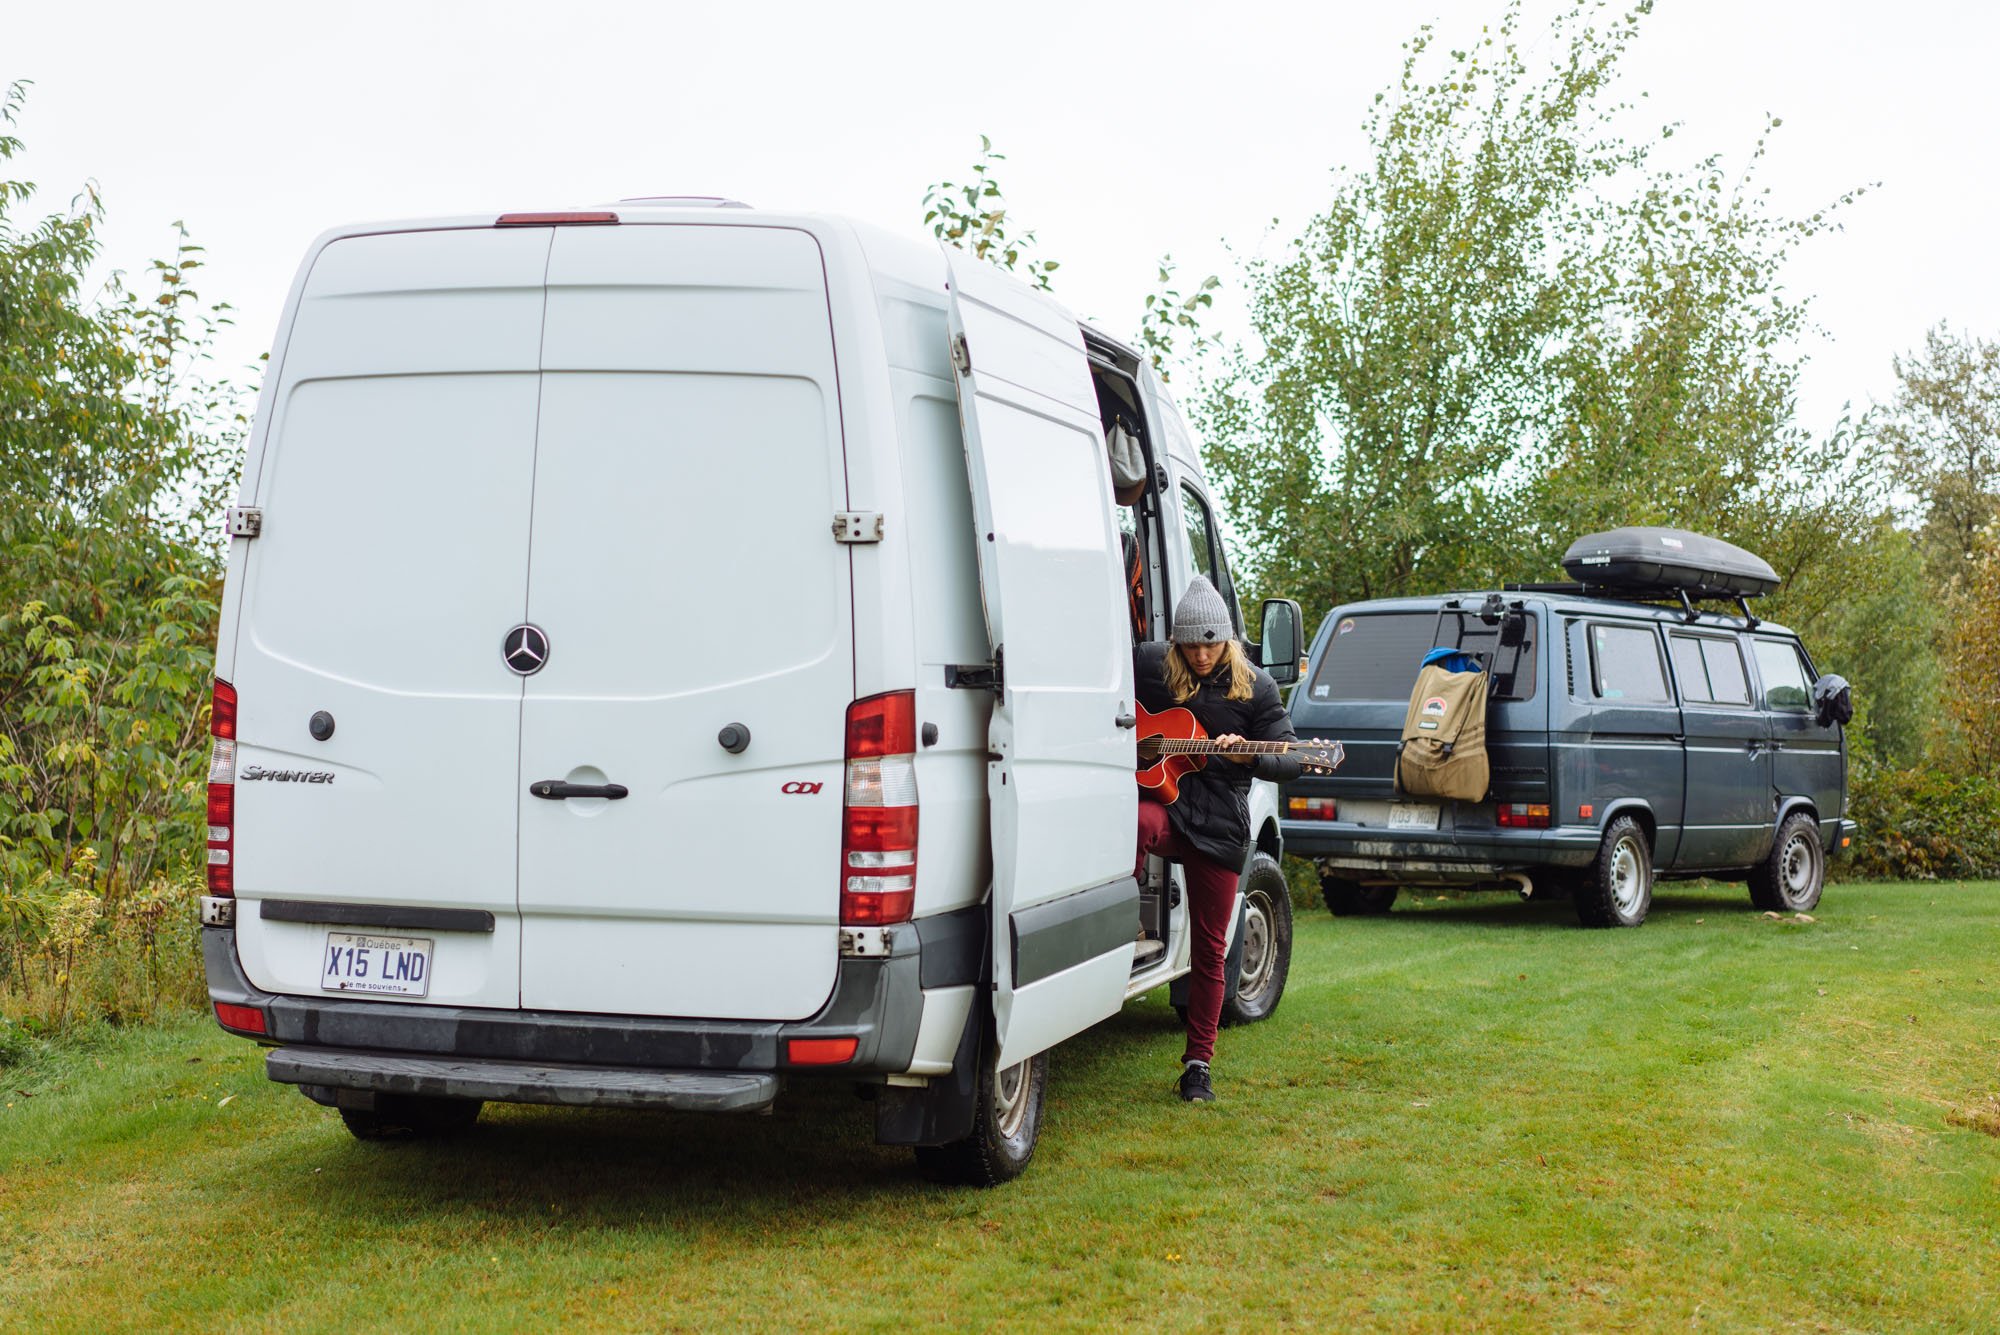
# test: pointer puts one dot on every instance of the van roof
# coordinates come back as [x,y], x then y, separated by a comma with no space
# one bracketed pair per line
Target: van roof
[1560,605]
[895,258]
[884,246]
[651,209]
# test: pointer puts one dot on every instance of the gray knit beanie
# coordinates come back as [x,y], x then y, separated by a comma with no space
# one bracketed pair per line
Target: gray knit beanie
[1201,617]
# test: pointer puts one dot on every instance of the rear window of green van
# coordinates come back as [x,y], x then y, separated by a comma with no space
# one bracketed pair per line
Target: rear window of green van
[1375,655]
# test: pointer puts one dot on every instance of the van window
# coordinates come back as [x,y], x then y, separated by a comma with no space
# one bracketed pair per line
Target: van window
[1205,548]
[1195,515]
[1726,681]
[1375,655]
[1784,676]
[1625,665]
[1710,670]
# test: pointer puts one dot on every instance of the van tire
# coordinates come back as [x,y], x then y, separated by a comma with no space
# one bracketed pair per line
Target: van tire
[1616,889]
[1265,951]
[1006,1121]
[411,1117]
[1791,878]
[1351,899]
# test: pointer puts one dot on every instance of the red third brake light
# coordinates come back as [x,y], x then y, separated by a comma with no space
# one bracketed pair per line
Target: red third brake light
[553,219]
[222,792]
[878,845]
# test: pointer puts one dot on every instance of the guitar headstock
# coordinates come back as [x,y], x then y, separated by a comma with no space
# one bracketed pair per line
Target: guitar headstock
[1319,755]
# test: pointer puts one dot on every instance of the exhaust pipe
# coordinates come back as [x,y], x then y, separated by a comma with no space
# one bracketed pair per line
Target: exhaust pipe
[1521,883]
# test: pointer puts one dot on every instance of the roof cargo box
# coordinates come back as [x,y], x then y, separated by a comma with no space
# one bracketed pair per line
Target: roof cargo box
[1667,559]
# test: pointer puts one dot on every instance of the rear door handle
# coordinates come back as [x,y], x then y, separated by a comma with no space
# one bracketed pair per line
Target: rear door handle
[556,790]
[1128,720]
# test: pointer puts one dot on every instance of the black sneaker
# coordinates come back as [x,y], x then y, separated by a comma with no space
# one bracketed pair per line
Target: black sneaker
[1194,1085]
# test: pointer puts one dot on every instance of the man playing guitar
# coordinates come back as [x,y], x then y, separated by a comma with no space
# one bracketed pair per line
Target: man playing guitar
[1206,828]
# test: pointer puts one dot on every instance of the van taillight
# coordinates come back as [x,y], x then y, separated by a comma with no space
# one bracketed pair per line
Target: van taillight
[1523,815]
[222,791]
[1312,808]
[878,845]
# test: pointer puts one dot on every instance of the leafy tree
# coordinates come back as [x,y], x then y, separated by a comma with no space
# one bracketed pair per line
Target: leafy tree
[1170,317]
[115,446]
[1884,637]
[973,217]
[1942,431]
[1512,327]
[1972,658]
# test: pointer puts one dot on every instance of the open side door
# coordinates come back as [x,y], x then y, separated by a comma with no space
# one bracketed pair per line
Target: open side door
[1065,908]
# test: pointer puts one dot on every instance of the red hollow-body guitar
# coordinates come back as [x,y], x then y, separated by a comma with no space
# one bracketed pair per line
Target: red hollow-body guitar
[1172,745]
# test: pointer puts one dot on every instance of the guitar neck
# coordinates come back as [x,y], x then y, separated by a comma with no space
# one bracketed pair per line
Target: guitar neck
[1204,747]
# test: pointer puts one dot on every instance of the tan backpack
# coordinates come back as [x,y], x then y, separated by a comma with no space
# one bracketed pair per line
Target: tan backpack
[1443,752]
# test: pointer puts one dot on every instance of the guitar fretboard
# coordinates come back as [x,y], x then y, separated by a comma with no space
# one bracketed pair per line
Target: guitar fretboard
[1209,748]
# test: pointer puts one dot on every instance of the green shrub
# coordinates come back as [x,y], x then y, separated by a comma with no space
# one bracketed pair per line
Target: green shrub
[116,450]
[126,961]
[1924,823]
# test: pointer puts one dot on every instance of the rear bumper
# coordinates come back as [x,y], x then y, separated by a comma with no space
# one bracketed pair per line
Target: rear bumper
[1434,855]
[612,1060]
[328,1071]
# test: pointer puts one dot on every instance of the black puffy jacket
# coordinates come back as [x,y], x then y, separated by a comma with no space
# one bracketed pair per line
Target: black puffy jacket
[1213,812]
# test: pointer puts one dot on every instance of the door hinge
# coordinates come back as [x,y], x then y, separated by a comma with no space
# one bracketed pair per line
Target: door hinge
[857,526]
[961,356]
[244,521]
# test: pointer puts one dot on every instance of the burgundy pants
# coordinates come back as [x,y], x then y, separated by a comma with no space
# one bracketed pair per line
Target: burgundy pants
[1211,891]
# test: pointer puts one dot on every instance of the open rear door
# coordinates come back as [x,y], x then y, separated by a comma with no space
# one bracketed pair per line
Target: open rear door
[1064,805]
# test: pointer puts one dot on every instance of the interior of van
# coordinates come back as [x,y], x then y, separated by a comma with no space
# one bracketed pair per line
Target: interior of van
[1130,454]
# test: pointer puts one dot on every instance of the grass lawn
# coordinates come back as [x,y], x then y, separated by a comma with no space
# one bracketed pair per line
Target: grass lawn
[1470,1114]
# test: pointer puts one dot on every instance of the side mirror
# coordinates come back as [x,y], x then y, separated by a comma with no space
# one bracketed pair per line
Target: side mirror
[1833,701]
[1283,641]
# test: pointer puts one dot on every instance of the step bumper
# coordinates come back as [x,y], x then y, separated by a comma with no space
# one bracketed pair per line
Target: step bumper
[523,1082]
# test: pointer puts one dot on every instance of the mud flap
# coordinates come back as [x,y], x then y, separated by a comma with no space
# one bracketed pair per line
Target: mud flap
[940,1112]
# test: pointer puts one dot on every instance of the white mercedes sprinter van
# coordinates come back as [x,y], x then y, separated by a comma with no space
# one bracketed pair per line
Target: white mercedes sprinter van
[677,649]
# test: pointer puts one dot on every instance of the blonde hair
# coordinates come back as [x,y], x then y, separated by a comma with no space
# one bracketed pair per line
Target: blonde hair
[1180,679]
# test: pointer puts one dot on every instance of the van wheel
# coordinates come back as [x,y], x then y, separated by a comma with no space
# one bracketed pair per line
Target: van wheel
[1006,1120]
[1350,899]
[411,1117]
[1266,954]
[1617,889]
[1791,878]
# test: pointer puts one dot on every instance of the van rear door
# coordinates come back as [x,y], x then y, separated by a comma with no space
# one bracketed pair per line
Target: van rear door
[396,479]
[1363,666]
[1065,909]
[686,575]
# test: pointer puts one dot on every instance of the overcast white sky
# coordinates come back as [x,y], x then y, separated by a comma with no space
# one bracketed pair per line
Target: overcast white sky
[1130,129]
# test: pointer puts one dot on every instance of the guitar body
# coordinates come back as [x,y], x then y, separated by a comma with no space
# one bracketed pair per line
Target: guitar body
[1161,780]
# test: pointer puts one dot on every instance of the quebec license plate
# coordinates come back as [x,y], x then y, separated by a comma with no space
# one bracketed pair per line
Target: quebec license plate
[397,965]
[1413,815]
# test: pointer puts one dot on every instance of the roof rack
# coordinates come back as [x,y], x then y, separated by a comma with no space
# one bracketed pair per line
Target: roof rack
[1656,596]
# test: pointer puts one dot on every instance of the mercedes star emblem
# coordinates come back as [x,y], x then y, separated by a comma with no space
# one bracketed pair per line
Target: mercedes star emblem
[526,649]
